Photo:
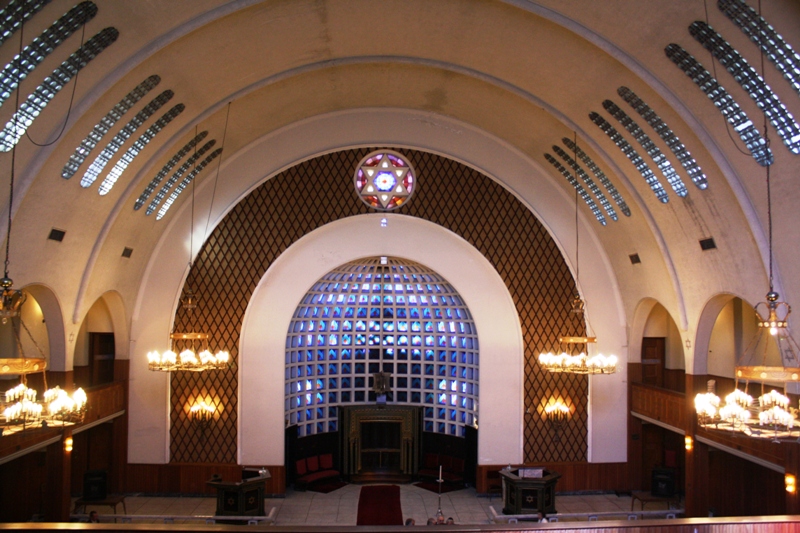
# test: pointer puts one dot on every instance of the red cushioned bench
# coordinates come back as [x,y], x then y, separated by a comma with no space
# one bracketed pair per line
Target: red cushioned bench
[452,467]
[314,468]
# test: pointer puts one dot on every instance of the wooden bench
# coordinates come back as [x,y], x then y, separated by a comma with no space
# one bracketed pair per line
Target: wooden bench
[314,468]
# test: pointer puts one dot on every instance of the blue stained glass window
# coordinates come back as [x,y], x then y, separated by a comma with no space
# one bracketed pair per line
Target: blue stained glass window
[381,314]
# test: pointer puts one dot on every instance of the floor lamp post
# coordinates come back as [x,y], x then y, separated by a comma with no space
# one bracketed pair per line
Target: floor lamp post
[439,513]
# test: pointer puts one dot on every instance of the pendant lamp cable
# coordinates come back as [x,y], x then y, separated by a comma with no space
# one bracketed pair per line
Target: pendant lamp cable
[219,164]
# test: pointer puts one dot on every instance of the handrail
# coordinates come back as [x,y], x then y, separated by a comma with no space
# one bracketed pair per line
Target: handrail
[592,516]
[170,519]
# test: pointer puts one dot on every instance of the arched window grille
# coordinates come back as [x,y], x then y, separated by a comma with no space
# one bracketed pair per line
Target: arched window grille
[382,315]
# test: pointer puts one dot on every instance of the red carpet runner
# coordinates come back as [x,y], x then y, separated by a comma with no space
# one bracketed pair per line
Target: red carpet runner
[379,505]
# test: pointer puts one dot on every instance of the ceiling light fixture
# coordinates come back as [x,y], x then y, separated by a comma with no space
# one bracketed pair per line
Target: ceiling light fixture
[770,358]
[580,363]
[18,405]
[188,358]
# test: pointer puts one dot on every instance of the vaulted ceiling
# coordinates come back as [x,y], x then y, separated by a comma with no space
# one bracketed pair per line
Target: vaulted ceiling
[532,76]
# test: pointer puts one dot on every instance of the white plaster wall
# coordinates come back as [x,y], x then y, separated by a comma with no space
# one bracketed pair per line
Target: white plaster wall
[167,269]
[264,329]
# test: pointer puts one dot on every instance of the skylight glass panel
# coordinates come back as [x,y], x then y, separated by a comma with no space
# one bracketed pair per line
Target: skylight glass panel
[599,174]
[124,134]
[50,87]
[438,371]
[785,59]
[649,146]
[180,154]
[667,135]
[748,78]
[178,174]
[578,187]
[587,180]
[137,147]
[42,46]
[634,157]
[16,12]
[185,183]
[105,125]
[723,102]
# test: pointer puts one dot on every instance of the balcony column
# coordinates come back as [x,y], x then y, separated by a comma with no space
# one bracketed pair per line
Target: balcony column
[696,482]
[57,498]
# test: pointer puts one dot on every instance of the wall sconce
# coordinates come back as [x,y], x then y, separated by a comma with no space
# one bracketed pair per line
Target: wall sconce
[791,483]
[68,442]
[689,443]
[201,414]
[556,413]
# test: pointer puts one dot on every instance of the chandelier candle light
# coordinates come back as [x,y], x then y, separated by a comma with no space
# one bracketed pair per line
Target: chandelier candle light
[581,363]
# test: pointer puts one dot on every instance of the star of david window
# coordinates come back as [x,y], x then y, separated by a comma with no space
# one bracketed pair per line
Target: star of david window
[384,180]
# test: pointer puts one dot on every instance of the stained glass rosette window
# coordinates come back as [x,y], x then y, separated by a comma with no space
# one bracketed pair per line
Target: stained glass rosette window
[382,315]
[384,180]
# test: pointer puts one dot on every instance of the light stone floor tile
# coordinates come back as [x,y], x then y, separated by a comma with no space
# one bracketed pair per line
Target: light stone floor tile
[340,507]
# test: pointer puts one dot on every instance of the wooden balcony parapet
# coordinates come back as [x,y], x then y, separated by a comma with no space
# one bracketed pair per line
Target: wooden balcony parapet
[103,401]
[665,406]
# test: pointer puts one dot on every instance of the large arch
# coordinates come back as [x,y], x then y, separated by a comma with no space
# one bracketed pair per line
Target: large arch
[261,367]
[60,357]
[167,269]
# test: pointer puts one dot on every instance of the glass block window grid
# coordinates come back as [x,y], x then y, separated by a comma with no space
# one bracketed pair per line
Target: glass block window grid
[106,123]
[283,209]
[33,106]
[766,100]
[723,101]
[17,12]
[667,135]
[377,315]
[168,166]
[779,52]
[178,175]
[578,187]
[42,46]
[573,164]
[186,181]
[123,135]
[634,157]
[649,146]
[138,145]
[599,174]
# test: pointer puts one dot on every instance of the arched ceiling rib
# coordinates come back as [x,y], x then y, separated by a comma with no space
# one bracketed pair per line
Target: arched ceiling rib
[526,72]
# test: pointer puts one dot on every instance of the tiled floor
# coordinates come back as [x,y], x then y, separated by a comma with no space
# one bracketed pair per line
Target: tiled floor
[341,506]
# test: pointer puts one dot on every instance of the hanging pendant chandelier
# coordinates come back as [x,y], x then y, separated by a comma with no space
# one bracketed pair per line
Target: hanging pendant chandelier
[580,363]
[193,354]
[772,359]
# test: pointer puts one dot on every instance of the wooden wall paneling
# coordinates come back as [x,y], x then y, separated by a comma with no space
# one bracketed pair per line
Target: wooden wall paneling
[675,380]
[578,476]
[792,465]
[191,478]
[634,432]
[57,489]
[22,483]
[659,404]
[728,474]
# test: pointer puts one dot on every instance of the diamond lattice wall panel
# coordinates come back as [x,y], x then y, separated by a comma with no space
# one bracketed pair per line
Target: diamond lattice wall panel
[316,192]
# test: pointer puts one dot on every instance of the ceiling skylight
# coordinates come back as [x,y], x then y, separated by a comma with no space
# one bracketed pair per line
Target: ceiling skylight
[649,146]
[785,59]
[678,149]
[578,187]
[137,147]
[178,174]
[105,125]
[50,87]
[632,155]
[16,12]
[600,175]
[186,181]
[723,102]
[180,154]
[124,134]
[749,79]
[42,46]
[587,180]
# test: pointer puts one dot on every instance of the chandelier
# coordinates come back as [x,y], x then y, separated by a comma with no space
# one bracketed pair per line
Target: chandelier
[771,357]
[580,363]
[22,411]
[194,355]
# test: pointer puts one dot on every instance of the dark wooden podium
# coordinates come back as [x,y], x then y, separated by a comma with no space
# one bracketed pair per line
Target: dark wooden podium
[243,498]
[528,490]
